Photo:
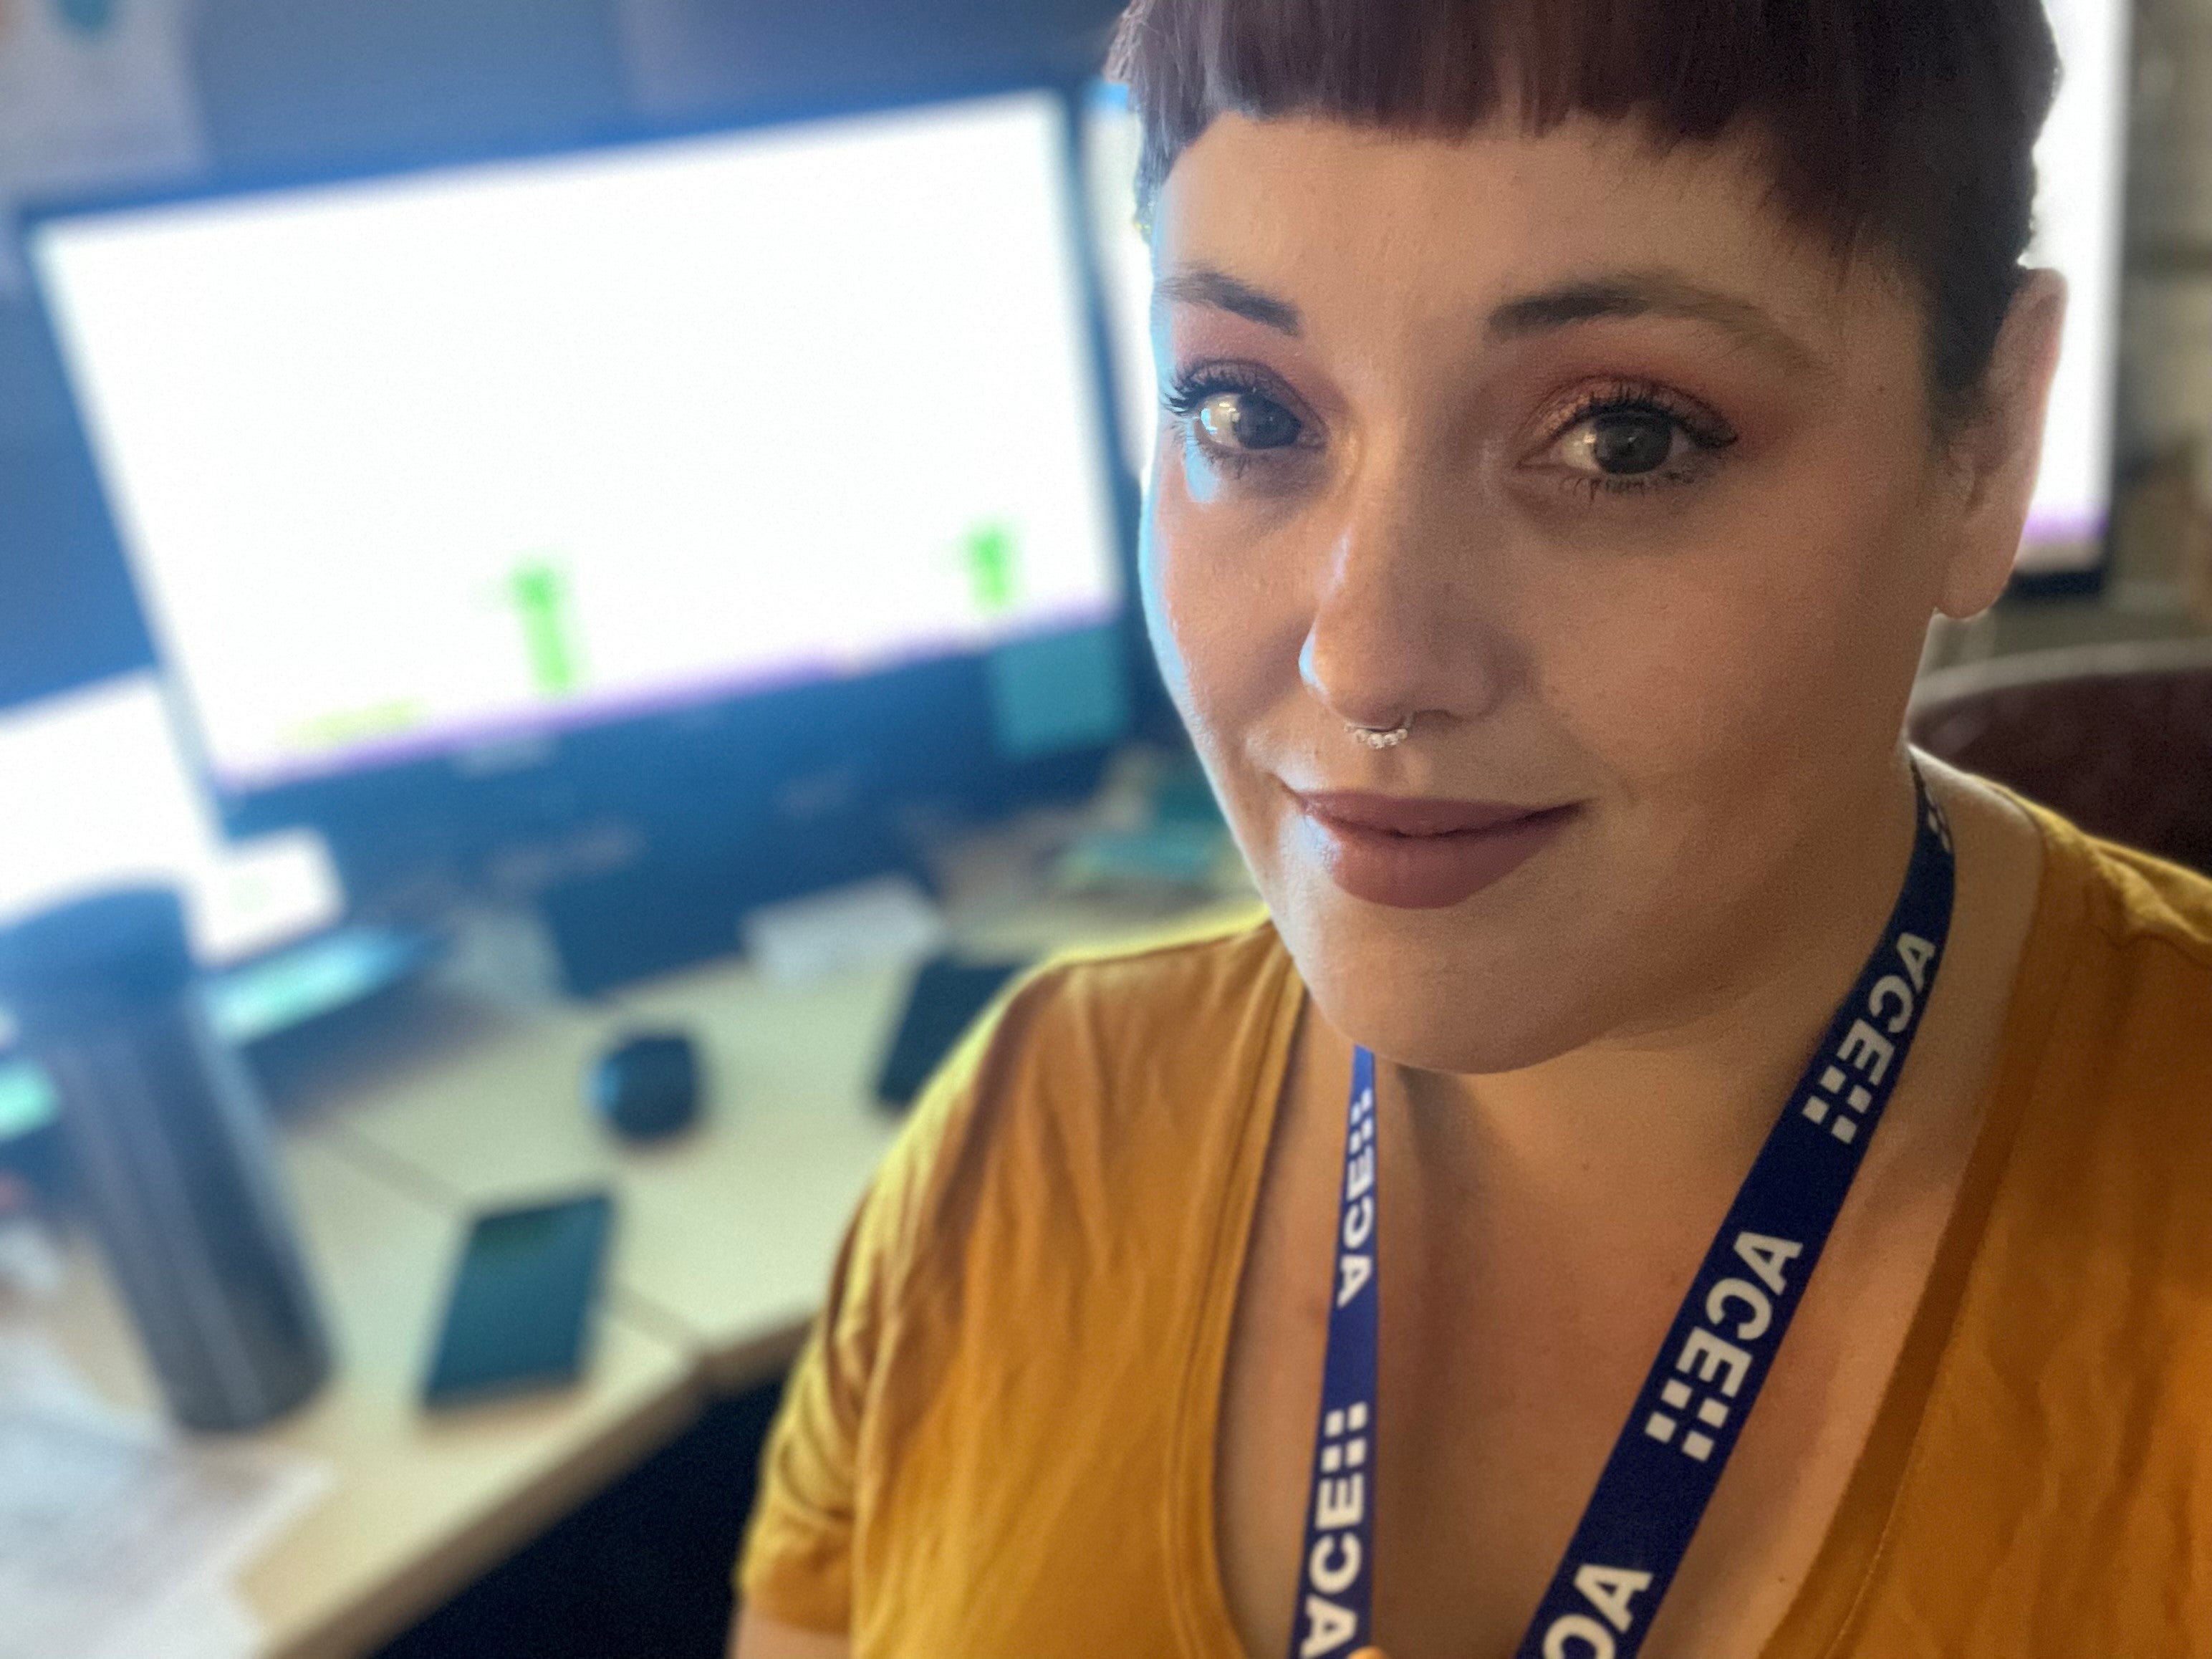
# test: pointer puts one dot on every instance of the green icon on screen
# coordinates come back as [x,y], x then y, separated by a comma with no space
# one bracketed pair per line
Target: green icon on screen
[544,603]
[994,559]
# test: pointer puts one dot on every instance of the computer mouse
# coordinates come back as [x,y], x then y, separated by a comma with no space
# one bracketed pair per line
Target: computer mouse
[648,1085]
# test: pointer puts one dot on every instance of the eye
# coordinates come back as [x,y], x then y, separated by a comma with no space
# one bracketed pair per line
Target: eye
[1634,438]
[1237,416]
[1247,420]
[1624,443]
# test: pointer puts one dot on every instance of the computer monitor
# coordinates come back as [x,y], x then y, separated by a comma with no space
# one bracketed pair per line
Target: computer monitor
[94,793]
[2081,166]
[1111,147]
[439,467]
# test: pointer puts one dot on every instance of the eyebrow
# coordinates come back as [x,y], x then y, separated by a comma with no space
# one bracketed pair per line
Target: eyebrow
[1647,293]
[1621,296]
[1201,285]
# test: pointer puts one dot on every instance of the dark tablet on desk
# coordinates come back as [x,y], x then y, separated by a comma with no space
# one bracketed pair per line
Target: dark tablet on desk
[946,998]
[521,1307]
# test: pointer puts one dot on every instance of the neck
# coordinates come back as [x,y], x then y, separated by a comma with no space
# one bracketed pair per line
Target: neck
[1683,1100]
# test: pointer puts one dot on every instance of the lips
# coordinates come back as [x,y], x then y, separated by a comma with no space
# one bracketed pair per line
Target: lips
[1422,855]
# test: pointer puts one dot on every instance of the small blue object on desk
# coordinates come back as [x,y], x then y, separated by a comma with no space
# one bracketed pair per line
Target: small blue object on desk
[647,1087]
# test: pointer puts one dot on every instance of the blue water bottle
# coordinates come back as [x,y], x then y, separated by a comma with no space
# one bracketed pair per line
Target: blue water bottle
[170,1147]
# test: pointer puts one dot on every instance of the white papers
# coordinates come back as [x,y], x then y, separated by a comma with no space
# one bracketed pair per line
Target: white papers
[92,92]
[30,1267]
[873,923]
[118,1537]
[205,1622]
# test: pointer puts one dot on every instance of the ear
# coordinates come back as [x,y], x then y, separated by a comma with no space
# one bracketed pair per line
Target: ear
[1995,459]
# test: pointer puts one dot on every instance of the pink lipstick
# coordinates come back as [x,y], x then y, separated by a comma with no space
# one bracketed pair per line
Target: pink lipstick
[1422,855]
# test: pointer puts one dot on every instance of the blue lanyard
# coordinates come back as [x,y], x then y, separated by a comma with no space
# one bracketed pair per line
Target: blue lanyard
[1669,1456]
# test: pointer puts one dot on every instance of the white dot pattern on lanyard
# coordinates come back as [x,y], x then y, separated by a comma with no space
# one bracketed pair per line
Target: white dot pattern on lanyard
[1822,1109]
[1710,1413]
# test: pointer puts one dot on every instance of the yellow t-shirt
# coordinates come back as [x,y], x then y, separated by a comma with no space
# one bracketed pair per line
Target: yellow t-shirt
[999,1442]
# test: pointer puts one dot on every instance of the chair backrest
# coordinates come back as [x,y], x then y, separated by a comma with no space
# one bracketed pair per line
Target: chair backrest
[2117,738]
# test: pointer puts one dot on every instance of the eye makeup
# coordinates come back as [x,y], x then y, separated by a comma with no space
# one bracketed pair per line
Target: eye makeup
[1603,441]
[1238,414]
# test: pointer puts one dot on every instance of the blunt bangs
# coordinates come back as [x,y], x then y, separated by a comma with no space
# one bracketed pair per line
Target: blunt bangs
[1908,125]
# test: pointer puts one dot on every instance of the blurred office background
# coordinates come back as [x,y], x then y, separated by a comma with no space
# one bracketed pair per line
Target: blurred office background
[429,909]
[2166,384]
[276,89]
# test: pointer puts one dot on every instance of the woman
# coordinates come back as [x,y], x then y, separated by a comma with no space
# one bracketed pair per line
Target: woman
[1574,414]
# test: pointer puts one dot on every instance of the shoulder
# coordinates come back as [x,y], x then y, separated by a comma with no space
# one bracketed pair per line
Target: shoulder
[2107,1088]
[2140,902]
[2068,1408]
[1093,1071]
[2123,949]
[1174,998]
[1121,1035]
[1006,1332]
[1080,1158]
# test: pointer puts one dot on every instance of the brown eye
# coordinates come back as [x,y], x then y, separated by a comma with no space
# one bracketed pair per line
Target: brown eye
[1623,443]
[1244,420]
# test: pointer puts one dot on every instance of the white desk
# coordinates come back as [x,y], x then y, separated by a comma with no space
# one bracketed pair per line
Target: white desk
[724,1236]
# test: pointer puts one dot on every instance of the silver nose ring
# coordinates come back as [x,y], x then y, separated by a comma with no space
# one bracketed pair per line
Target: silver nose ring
[1382,737]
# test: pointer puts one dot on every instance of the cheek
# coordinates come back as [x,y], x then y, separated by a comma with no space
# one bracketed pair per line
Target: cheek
[1784,642]
[1221,607]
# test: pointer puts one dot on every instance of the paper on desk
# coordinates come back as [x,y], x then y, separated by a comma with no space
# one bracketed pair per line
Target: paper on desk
[118,1538]
[207,1621]
[870,923]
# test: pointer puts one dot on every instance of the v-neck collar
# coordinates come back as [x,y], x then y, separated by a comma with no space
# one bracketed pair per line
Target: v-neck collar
[1817,1624]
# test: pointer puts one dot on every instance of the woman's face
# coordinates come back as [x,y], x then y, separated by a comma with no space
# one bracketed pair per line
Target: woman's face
[1579,456]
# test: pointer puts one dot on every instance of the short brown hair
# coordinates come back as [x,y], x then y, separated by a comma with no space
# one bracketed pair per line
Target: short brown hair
[1909,123]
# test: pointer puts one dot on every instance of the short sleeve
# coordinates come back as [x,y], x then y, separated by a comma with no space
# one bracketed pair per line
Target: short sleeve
[1030,1159]
[797,1565]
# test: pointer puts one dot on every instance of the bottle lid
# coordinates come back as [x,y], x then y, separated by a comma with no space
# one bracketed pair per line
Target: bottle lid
[94,956]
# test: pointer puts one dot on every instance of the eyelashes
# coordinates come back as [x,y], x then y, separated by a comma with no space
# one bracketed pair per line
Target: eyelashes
[1187,390]
[1619,436]
[1236,416]
[1627,436]
[1638,398]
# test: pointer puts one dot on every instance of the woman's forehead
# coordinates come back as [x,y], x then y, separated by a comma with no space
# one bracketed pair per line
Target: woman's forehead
[1349,225]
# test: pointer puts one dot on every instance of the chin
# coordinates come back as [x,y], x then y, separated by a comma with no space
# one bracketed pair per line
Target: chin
[1435,1038]
[1428,990]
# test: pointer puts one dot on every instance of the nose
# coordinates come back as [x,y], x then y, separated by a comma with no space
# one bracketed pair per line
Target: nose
[1399,628]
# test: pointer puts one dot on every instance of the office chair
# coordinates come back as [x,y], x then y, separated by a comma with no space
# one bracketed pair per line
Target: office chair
[2118,738]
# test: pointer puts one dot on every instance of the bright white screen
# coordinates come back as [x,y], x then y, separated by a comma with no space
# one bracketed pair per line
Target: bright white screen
[412,464]
[1113,144]
[96,795]
[2078,200]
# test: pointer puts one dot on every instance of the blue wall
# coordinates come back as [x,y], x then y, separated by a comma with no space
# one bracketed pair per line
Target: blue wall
[293,85]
